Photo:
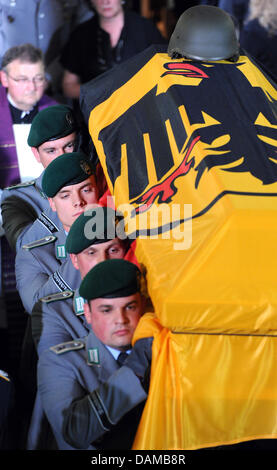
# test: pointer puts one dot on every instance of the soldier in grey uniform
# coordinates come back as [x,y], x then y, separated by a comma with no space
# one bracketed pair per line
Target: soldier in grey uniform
[70,185]
[97,404]
[54,131]
[60,317]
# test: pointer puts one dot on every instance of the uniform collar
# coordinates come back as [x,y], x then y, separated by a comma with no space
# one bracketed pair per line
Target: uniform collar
[61,253]
[100,357]
[23,113]
[38,184]
[78,303]
[115,352]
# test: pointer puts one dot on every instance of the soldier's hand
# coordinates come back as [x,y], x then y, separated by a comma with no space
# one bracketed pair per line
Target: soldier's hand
[139,360]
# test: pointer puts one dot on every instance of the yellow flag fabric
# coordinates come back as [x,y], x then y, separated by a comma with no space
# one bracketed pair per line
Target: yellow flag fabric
[207,390]
[189,153]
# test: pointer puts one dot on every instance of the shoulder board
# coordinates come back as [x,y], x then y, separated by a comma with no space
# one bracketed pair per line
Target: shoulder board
[58,296]
[68,346]
[42,241]
[22,185]
[4,375]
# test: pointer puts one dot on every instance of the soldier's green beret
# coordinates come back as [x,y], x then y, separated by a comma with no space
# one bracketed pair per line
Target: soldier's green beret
[97,225]
[110,279]
[52,123]
[65,170]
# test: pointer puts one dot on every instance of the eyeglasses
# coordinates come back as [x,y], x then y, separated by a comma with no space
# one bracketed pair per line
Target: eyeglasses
[38,80]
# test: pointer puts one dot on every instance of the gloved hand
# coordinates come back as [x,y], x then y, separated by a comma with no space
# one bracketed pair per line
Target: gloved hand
[139,360]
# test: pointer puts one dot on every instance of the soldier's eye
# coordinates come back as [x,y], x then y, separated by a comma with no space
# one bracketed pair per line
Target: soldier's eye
[105,310]
[114,250]
[70,146]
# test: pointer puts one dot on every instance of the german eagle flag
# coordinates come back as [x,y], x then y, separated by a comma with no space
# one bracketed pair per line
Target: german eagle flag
[189,152]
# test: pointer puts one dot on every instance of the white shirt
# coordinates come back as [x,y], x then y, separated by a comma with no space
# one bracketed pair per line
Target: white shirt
[115,352]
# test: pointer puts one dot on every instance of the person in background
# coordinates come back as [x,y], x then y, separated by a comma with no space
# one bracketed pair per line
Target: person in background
[21,98]
[259,34]
[238,9]
[45,24]
[110,37]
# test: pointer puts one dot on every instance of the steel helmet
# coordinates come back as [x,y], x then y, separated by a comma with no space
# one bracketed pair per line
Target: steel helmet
[204,32]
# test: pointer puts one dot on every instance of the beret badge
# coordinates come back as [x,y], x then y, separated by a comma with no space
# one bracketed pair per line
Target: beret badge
[86,167]
[69,119]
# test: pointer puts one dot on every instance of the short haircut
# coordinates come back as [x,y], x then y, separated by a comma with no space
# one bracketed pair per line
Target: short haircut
[25,53]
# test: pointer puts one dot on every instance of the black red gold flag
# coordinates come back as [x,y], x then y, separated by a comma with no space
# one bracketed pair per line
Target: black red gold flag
[189,153]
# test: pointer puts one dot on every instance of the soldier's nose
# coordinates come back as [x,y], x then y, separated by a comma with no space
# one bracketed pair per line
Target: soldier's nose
[77,201]
[101,256]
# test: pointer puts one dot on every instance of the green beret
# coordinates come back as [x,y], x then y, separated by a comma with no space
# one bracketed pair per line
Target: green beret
[97,225]
[51,123]
[65,170]
[111,278]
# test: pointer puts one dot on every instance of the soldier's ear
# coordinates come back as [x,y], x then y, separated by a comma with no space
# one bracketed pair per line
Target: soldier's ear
[52,204]
[36,154]
[74,261]
[87,312]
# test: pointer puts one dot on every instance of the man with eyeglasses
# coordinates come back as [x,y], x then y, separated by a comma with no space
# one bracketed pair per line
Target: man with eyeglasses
[21,98]
[45,24]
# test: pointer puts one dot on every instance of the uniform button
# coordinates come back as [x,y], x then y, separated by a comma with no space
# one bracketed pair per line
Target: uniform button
[42,15]
[41,36]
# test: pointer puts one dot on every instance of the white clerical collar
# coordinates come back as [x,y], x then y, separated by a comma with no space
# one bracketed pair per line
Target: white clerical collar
[23,113]
[115,352]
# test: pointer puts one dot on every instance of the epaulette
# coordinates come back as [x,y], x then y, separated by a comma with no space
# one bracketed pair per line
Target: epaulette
[42,241]
[22,185]
[68,346]
[57,296]
[4,375]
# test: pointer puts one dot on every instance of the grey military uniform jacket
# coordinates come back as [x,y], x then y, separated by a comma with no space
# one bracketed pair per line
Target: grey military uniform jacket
[40,263]
[89,402]
[21,205]
[58,318]
[55,319]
